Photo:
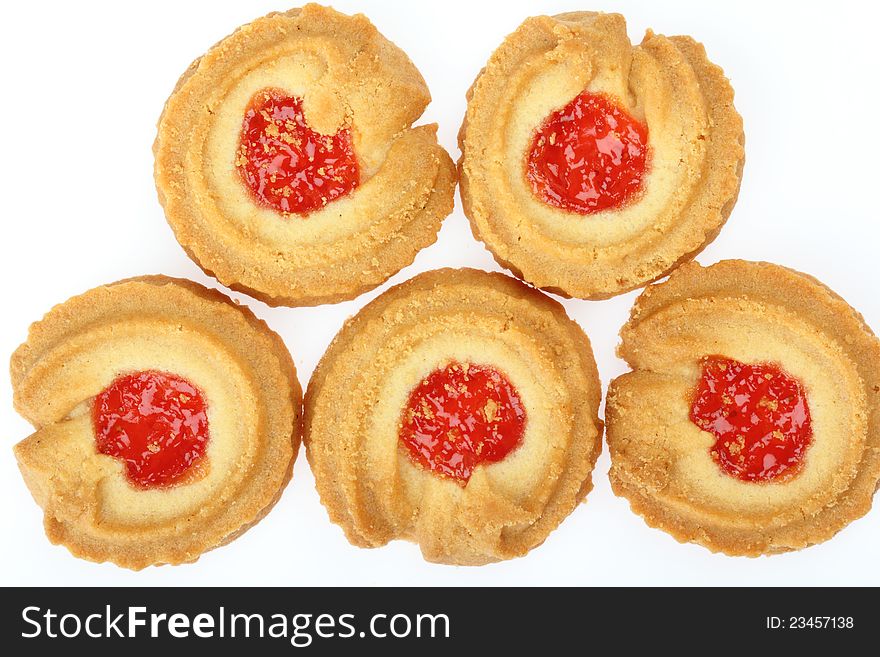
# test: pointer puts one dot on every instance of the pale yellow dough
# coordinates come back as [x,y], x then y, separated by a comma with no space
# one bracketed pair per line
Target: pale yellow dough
[753,313]
[354,402]
[696,153]
[166,325]
[348,75]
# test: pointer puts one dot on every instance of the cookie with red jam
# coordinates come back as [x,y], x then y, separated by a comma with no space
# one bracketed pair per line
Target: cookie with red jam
[750,423]
[287,163]
[591,166]
[167,420]
[459,411]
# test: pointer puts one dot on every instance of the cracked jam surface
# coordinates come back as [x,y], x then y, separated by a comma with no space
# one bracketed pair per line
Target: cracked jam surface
[462,415]
[759,416]
[156,423]
[588,156]
[286,165]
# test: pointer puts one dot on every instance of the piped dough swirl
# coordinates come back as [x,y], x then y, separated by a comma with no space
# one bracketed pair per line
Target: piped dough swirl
[154,324]
[696,153]
[348,75]
[752,313]
[366,478]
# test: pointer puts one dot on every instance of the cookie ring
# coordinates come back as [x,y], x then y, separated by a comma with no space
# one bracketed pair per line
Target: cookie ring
[469,326]
[287,165]
[781,449]
[167,420]
[524,182]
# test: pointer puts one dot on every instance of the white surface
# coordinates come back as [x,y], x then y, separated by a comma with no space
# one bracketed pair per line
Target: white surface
[85,83]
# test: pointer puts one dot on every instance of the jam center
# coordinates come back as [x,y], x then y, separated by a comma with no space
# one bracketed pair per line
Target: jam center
[460,416]
[156,423]
[288,166]
[758,414]
[588,156]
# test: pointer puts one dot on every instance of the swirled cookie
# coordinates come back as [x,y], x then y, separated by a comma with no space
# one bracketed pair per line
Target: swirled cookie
[591,166]
[750,423]
[287,164]
[458,410]
[167,420]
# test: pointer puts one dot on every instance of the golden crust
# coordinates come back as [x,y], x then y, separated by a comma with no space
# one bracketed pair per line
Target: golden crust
[348,74]
[154,322]
[695,135]
[354,401]
[753,312]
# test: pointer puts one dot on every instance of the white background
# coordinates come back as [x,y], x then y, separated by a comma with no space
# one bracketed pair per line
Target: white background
[85,82]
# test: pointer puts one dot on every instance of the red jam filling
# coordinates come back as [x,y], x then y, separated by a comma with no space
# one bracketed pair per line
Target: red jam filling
[759,416]
[288,166]
[460,416]
[588,156]
[156,423]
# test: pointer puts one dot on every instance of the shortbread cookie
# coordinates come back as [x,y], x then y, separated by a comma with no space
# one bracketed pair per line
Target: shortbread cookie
[750,423]
[459,411]
[591,166]
[287,164]
[167,418]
